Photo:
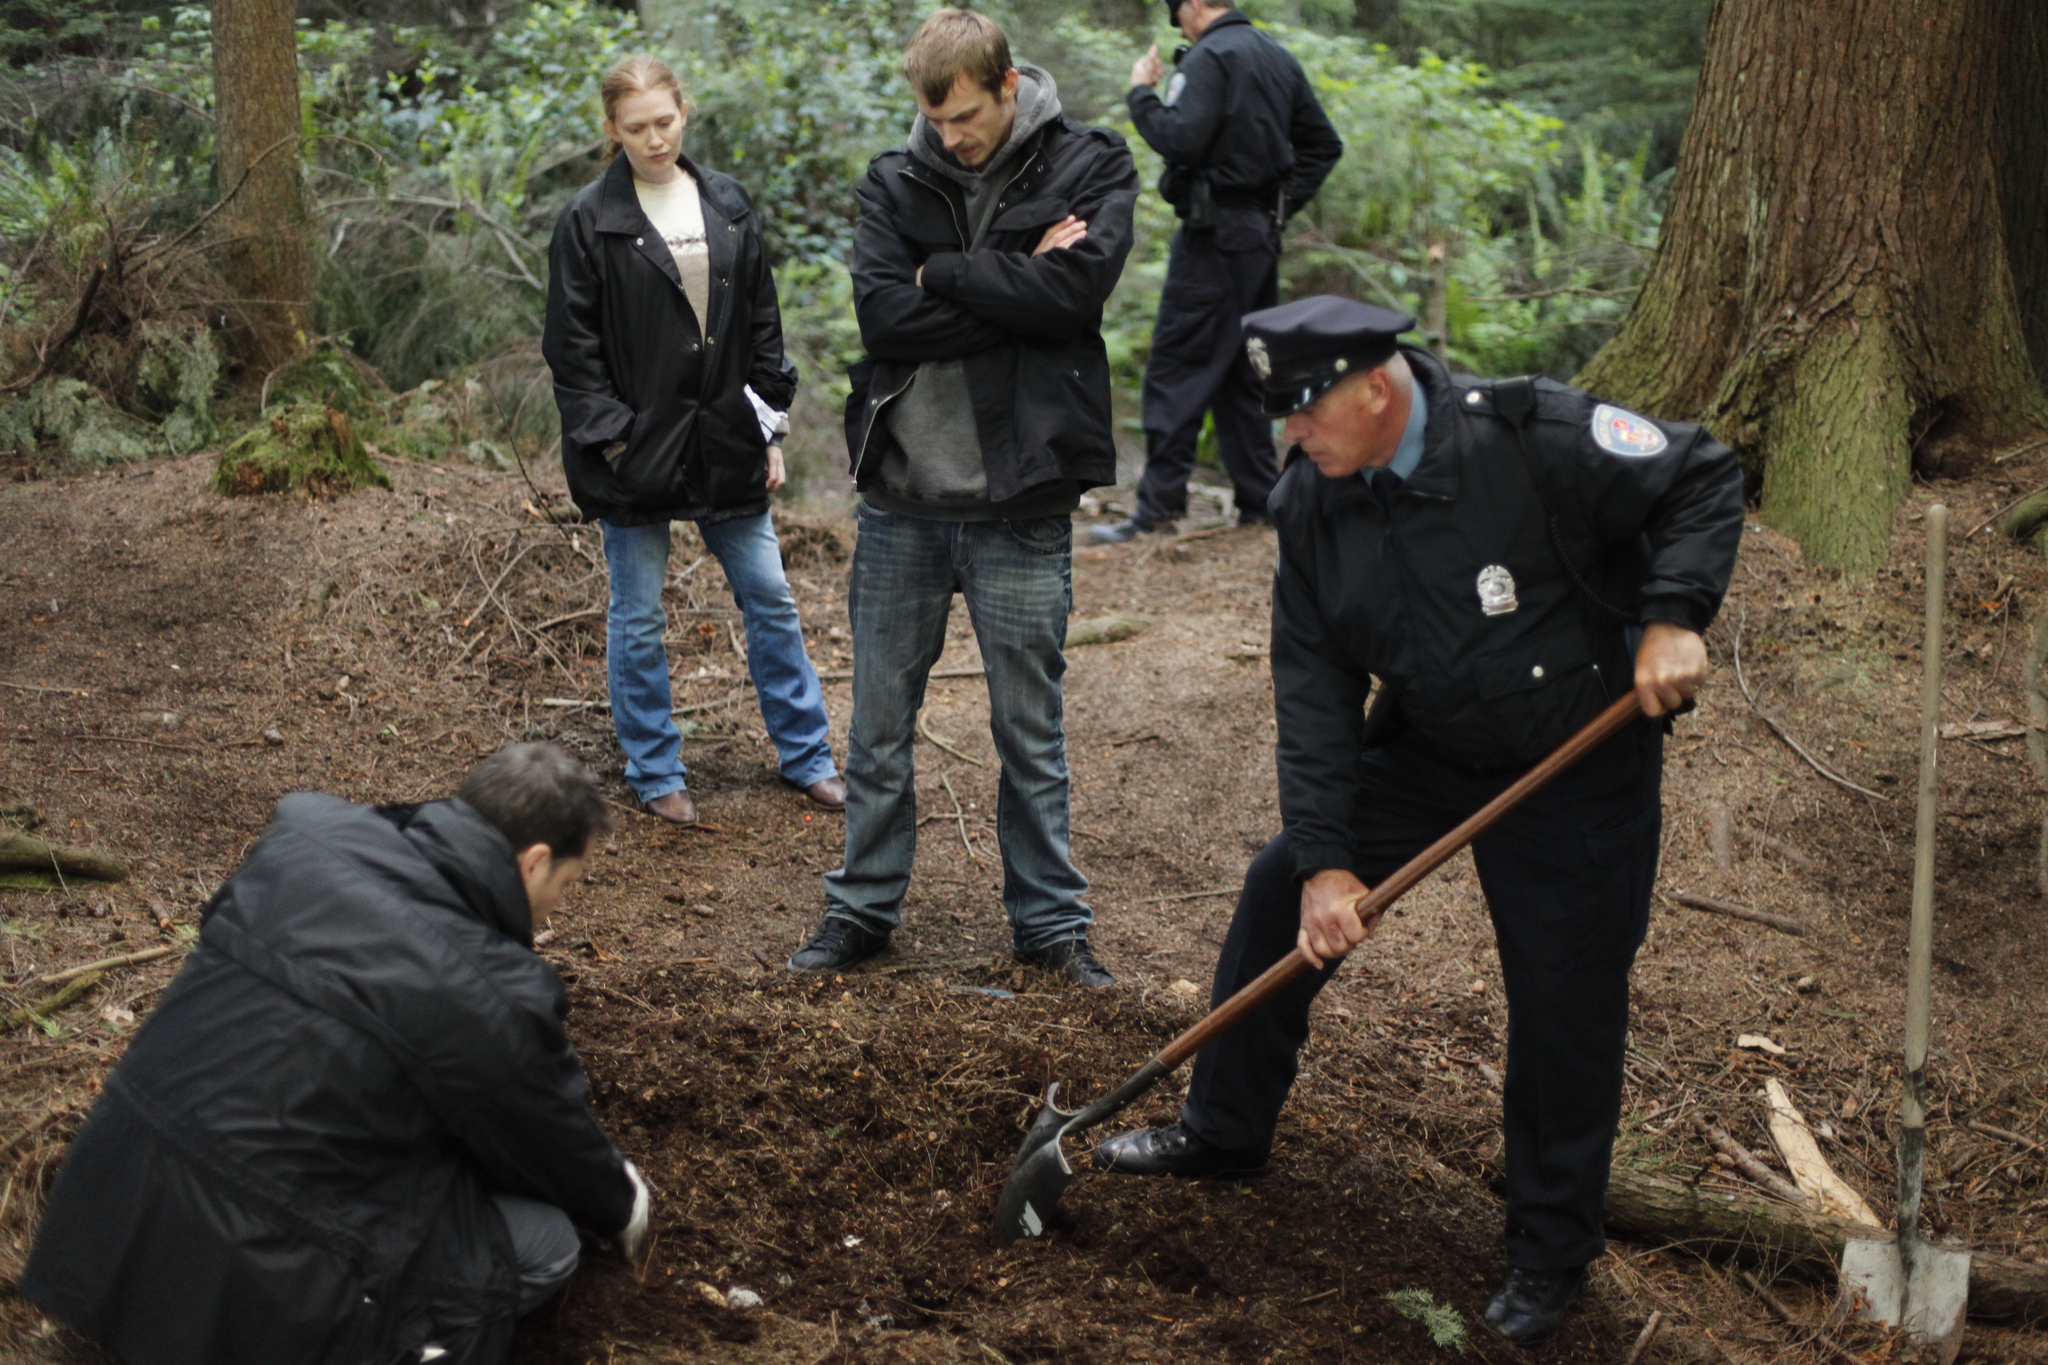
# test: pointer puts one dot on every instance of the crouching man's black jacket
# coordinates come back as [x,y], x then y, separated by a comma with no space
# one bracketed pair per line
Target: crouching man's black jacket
[1029,327]
[1457,600]
[293,1162]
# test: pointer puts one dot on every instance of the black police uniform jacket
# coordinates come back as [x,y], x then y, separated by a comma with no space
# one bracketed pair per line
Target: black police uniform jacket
[1029,327]
[293,1162]
[1362,594]
[632,364]
[1245,120]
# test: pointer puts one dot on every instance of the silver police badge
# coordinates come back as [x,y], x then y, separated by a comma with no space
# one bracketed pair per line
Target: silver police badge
[1255,349]
[1496,591]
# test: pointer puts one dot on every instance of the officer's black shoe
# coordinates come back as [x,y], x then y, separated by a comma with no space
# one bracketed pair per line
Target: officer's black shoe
[1253,516]
[1173,1150]
[1123,532]
[1073,959]
[1532,1304]
[838,944]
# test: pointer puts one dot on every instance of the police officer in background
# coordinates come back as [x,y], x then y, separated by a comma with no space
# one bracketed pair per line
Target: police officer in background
[1246,145]
[1505,557]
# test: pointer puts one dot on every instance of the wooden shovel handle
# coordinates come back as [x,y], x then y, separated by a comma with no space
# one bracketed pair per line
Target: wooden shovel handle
[1374,903]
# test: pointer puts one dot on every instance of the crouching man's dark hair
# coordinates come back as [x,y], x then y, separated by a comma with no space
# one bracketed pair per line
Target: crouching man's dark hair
[536,794]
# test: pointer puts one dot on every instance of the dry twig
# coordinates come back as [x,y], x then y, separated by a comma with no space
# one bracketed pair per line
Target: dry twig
[925,729]
[1784,924]
[1779,730]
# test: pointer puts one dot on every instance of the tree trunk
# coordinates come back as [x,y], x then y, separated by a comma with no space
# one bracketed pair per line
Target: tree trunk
[256,111]
[1835,289]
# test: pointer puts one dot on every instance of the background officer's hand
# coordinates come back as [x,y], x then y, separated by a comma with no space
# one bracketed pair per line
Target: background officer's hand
[778,474]
[1670,666]
[1064,233]
[1147,70]
[1330,926]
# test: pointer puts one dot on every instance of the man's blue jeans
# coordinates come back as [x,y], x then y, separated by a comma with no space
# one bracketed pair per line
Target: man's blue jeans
[1017,579]
[636,664]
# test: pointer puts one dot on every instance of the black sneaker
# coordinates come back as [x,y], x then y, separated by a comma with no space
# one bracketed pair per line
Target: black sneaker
[1173,1150]
[1532,1304]
[1073,959]
[838,944]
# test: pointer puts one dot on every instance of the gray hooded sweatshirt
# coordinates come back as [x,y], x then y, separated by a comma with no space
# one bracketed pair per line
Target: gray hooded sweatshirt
[935,467]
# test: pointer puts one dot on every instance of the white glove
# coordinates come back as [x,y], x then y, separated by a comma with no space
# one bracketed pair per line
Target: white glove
[634,1239]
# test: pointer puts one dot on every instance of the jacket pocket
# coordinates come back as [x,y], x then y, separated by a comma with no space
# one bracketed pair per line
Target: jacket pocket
[1533,697]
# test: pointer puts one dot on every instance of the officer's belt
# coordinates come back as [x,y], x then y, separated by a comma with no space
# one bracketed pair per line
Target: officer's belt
[1245,199]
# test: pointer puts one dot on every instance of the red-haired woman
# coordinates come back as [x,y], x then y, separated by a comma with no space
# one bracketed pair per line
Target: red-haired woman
[665,340]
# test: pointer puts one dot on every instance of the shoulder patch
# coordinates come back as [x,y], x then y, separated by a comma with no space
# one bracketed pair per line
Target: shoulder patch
[1174,87]
[1620,432]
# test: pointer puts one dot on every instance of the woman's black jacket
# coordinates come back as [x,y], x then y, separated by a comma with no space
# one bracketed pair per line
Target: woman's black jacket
[293,1163]
[631,364]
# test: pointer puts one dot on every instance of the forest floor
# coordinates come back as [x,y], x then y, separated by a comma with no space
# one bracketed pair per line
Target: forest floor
[836,1144]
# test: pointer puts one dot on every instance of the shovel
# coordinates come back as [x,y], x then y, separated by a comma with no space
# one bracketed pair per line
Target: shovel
[1905,1282]
[1041,1171]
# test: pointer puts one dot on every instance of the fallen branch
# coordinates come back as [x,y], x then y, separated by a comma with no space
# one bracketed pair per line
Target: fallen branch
[1192,895]
[960,814]
[570,616]
[1784,924]
[49,1005]
[127,960]
[2004,1135]
[1643,1339]
[947,745]
[21,853]
[1823,769]
[39,688]
[1747,1162]
[1664,1211]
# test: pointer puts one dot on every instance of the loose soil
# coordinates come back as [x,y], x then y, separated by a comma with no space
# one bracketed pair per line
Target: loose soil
[835,1145]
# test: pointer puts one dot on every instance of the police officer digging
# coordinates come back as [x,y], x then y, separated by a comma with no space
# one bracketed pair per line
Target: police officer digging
[1246,146]
[1504,558]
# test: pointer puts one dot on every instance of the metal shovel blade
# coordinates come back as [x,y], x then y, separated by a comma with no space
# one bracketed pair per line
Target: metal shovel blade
[1040,1175]
[1927,1300]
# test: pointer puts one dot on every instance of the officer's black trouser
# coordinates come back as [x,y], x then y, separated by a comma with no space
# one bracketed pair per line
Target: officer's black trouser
[1198,364]
[1567,878]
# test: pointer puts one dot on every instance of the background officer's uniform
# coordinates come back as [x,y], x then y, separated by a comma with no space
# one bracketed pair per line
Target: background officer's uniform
[1447,581]
[1246,145]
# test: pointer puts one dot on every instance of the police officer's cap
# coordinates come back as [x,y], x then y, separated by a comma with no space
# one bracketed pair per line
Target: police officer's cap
[1302,350]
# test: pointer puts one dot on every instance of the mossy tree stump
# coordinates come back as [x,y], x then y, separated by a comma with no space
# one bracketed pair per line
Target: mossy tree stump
[301,445]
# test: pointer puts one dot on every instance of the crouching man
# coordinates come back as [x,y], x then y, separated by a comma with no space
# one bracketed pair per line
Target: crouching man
[355,1129]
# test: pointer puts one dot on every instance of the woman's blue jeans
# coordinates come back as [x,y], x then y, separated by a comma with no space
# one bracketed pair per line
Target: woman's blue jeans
[1017,580]
[636,664]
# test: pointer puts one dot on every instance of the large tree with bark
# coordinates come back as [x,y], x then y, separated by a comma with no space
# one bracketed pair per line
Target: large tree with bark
[1853,271]
[257,163]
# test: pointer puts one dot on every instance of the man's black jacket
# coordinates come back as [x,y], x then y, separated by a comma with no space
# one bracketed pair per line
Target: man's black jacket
[1029,327]
[1360,593]
[293,1162]
[631,363]
[1245,119]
